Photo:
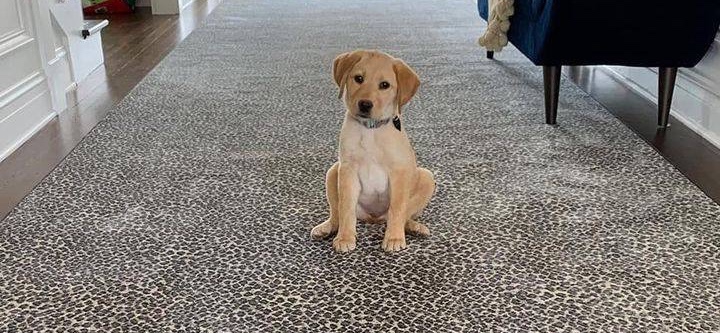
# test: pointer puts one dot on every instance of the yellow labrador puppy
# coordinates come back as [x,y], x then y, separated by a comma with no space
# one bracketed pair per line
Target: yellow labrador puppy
[377,177]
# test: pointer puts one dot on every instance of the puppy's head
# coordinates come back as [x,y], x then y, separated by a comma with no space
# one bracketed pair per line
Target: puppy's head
[375,85]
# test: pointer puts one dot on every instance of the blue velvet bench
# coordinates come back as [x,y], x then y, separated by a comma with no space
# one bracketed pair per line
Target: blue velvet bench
[645,33]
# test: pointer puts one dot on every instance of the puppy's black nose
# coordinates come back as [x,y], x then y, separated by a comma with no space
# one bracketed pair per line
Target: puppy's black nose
[365,106]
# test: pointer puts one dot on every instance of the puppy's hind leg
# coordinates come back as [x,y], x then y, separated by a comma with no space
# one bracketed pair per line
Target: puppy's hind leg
[330,226]
[419,199]
[417,228]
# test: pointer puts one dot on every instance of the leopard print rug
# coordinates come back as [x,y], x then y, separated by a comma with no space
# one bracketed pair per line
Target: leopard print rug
[189,208]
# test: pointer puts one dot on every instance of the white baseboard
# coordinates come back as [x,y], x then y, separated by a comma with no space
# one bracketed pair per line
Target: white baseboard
[22,124]
[40,125]
[169,7]
[71,95]
[695,106]
[59,75]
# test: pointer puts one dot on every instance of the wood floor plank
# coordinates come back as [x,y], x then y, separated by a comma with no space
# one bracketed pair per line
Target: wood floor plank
[133,45]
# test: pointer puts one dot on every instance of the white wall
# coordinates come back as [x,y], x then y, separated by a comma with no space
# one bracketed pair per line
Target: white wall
[185,3]
[169,7]
[696,100]
[42,57]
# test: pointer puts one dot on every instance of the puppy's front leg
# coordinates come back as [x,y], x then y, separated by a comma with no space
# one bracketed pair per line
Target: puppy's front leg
[348,192]
[397,213]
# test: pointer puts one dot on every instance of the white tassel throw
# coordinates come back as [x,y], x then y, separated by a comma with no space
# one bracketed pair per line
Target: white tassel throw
[499,12]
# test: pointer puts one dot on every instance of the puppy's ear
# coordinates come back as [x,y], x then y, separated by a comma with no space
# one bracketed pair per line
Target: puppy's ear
[341,67]
[407,82]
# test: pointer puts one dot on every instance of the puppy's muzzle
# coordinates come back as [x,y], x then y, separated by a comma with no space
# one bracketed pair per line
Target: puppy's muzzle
[364,108]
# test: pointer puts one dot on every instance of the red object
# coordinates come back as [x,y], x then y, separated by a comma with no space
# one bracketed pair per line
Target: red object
[108,7]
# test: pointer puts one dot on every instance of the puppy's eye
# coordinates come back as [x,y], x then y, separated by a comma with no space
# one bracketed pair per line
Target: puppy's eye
[384,85]
[359,79]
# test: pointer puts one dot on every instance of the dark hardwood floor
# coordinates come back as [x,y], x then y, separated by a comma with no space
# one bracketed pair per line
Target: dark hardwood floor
[133,45]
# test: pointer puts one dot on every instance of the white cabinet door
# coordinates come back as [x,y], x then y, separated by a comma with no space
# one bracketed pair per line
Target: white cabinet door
[25,101]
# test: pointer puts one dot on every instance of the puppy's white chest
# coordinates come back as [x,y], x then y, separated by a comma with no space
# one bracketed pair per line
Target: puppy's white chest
[373,178]
[374,196]
[374,183]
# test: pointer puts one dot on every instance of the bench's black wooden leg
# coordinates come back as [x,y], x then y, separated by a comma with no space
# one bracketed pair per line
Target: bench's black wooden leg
[666,85]
[551,80]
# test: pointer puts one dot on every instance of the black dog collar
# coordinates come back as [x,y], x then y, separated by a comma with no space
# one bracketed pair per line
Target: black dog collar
[373,124]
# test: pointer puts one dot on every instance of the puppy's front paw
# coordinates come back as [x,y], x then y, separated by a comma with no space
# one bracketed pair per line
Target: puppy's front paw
[391,244]
[322,230]
[344,243]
